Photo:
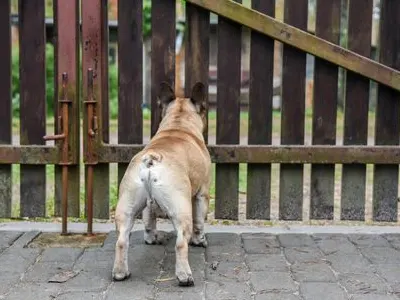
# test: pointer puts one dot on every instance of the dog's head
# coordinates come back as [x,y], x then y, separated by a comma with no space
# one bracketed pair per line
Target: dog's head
[188,108]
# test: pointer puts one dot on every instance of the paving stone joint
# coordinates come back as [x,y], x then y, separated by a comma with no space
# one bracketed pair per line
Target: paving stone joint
[254,266]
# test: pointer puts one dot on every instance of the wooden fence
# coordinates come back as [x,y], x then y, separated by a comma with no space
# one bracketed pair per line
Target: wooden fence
[260,153]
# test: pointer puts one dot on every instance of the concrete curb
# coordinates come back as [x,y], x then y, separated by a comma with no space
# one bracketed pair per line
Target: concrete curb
[107,227]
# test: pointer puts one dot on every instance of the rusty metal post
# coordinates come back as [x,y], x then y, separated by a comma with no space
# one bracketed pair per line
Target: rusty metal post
[91,159]
[64,161]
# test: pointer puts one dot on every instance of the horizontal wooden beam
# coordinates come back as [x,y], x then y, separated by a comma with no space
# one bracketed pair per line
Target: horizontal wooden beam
[30,155]
[40,155]
[274,154]
[303,40]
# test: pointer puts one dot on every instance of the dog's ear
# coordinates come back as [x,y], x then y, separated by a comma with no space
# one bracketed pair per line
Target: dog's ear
[199,97]
[166,94]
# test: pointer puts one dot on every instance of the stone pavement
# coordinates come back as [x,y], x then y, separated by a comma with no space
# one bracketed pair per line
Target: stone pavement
[260,266]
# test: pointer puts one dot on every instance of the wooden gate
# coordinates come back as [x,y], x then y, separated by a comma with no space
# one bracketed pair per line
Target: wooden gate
[260,154]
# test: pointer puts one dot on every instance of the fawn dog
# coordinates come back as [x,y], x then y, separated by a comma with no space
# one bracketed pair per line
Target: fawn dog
[169,177]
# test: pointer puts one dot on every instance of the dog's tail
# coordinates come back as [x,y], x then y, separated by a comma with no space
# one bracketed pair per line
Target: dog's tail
[149,160]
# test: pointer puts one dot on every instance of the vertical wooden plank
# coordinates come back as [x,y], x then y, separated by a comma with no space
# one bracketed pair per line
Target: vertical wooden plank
[130,82]
[66,16]
[324,112]
[105,104]
[387,130]
[102,171]
[293,106]
[260,115]
[228,115]
[162,53]
[95,55]
[5,106]
[197,49]
[356,112]
[33,99]
[57,169]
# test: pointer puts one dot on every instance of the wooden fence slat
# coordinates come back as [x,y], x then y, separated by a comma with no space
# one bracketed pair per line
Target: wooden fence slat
[387,130]
[57,169]
[324,111]
[5,106]
[32,99]
[95,55]
[66,15]
[130,82]
[293,107]
[162,53]
[228,115]
[356,112]
[197,49]
[260,115]
[101,174]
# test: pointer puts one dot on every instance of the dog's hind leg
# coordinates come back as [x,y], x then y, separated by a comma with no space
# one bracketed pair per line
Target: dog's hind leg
[132,200]
[183,226]
[200,209]
[177,206]
[173,196]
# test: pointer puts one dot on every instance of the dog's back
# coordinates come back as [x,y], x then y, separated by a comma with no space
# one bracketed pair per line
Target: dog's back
[177,151]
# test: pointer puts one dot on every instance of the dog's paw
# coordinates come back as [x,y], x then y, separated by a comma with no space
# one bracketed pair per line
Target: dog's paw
[199,242]
[118,275]
[152,239]
[202,243]
[185,279]
[120,272]
[153,242]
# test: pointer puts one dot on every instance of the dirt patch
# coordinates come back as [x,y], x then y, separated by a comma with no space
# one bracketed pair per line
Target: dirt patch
[56,240]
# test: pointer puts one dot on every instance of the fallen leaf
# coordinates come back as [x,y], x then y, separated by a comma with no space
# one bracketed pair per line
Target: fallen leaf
[165,279]
[63,276]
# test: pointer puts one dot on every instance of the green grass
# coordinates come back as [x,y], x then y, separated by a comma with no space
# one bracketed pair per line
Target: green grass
[244,117]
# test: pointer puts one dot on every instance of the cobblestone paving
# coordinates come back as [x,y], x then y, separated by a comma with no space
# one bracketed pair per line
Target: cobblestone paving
[234,266]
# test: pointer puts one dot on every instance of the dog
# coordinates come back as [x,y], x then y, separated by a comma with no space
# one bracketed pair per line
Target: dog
[170,176]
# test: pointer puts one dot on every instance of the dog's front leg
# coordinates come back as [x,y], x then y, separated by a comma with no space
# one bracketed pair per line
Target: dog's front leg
[132,200]
[200,209]
[150,225]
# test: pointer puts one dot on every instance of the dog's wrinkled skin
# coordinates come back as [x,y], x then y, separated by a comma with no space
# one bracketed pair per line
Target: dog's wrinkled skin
[170,176]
